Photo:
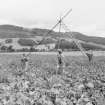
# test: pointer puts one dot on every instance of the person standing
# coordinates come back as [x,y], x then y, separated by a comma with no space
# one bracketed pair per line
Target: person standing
[60,63]
[90,56]
[24,62]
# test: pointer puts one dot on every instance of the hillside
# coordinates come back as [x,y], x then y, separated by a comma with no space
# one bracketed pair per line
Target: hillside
[11,31]
[71,45]
[97,40]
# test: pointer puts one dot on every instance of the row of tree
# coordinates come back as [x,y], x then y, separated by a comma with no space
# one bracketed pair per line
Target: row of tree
[11,49]
[63,47]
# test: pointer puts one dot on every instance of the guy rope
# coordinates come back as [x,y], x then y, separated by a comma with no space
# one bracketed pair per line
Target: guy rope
[61,23]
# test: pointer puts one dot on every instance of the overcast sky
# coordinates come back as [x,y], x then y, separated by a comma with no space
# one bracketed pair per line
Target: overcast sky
[87,16]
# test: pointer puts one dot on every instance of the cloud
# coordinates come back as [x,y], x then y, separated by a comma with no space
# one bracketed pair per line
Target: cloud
[87,15]
[86,28]
[5,21]
[91,30]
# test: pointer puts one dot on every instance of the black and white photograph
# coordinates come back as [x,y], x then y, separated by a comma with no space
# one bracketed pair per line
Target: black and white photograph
[52,52]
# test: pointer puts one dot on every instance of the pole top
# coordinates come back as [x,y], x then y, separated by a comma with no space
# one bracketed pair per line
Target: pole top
[60,51]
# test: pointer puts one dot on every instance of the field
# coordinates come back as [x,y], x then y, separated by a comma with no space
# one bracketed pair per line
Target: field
[81,83]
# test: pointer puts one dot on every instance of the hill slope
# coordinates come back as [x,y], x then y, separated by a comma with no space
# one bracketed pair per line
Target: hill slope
[11,31]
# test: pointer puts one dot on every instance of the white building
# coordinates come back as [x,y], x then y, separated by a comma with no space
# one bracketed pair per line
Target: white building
[41,47]
[45,47]
[51,46]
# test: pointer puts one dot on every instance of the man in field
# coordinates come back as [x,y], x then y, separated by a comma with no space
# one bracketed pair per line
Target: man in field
[61,63]
[90,56]
[24,62]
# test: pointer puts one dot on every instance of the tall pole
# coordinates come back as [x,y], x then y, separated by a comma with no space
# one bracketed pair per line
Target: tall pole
[59,32]
[61,18]
[75,40]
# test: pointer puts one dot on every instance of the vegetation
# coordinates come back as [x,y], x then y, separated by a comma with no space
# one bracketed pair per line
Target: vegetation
[26,42]
[7,49]
[11,31]
[8,41]
[80,84]
[10,34]
[72,46]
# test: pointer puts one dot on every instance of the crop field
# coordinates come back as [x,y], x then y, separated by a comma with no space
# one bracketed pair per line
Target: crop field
[81,83]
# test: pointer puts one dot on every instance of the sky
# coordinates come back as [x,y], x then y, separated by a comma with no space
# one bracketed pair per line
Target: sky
[87,16]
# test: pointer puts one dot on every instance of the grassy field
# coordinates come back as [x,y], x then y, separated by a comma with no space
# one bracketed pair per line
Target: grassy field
[50,58]
[81,83]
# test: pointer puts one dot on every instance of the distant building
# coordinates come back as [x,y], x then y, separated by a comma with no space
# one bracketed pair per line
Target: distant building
[45,47]
[51,46]
[41,47]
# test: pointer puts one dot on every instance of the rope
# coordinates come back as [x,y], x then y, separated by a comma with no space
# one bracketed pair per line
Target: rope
[59,33]
[59,22]
[75,40]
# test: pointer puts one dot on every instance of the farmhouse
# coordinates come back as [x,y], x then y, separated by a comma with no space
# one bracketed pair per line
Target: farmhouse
[50,46]
[41,47]
[45,47]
